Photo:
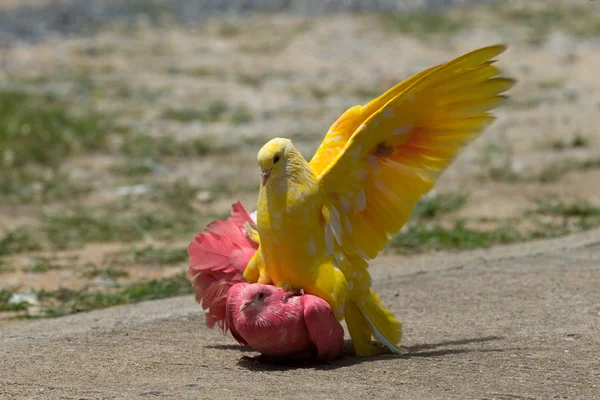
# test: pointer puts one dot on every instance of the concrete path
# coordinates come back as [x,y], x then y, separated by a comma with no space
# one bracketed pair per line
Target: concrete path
[514,322]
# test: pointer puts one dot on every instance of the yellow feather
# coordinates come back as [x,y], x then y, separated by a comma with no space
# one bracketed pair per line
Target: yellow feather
[318,222]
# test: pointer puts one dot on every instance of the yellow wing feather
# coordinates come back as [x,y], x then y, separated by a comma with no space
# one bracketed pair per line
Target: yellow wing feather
[340,132]
[378,160]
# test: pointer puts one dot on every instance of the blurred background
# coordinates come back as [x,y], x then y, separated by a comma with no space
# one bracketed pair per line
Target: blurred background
[127,125]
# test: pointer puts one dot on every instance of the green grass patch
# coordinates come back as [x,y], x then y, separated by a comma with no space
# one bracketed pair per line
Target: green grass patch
[367,93]
[178,195]
[21,306]
[229,29]
[435,205]
[210,112]
[134,167]
[41,265]
[550,84]
[577,141]
[252,79]
[80,226]
[554,172]
[6,305]
[31,184]
[19,240]
[142,147]
[160,256]
[537,222]
[459,237]
[420,238]
[528,102]
[240,115]
[44,130]
[552,205]
[65,301]
[578,21]
[426,23]
[164,212]
[199,71]
[497,163]
[507,174]
[4,267]
[106,273]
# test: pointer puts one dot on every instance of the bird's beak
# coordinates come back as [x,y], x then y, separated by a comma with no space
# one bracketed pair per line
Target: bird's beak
[245,305]
[265,176]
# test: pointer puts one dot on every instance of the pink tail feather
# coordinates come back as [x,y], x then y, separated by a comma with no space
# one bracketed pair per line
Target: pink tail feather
[217,259]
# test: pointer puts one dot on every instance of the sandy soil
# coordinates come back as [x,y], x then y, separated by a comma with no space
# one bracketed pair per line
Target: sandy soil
[517,322]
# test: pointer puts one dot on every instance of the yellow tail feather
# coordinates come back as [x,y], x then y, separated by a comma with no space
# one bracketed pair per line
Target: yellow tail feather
[368,316]
[360,330]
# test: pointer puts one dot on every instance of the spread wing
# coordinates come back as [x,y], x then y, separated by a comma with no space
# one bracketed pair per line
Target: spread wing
[378,160]
[324,330]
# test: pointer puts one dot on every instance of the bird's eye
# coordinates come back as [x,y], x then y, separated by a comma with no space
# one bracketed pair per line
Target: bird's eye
[261,295]
[275,159]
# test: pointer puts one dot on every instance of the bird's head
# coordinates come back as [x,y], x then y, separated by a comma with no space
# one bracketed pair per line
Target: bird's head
[255,297]
[273,158]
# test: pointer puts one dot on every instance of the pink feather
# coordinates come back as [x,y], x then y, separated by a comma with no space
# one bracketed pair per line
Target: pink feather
[217,259]
[279,324]
[285,324]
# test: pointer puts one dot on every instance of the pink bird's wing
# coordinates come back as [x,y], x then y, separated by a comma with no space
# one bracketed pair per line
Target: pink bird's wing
[234,301]
[233,227]
[324,330]
[217,259]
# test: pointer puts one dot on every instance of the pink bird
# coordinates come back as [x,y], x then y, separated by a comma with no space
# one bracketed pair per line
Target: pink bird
[217,259]
[273,322]
[279,324]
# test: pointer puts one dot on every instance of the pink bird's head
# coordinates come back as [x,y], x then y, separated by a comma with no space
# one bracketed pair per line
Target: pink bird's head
[258,296]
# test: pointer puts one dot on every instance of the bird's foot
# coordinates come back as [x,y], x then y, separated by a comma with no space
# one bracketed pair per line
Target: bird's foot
[292,293]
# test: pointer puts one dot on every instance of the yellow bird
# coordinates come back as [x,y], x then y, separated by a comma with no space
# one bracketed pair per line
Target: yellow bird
[319,222]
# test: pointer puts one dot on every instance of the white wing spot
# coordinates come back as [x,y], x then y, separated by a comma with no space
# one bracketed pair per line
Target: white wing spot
[388,112]
[312,247]
[336,226]
[374,163]
[335,138]
[362,174]
[347,225]
[375,123]
[403,130]
[361,202]
[362,254]
[329,240]
[345,204]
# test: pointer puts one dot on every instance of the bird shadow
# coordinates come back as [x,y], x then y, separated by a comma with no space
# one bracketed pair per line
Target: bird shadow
[265,363]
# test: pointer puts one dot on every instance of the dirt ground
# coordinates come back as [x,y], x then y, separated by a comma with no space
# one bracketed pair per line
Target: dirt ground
[188,105]
[517,322]
[230,84]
